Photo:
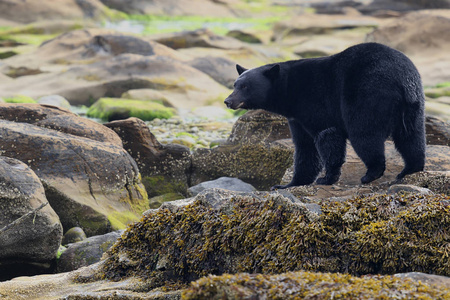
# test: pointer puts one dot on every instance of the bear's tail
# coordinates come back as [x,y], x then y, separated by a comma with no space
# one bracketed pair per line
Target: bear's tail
[409,134]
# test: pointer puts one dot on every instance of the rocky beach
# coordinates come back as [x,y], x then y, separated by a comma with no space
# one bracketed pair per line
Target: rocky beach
[124,176]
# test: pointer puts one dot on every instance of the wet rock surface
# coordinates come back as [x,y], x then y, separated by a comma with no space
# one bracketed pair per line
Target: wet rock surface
[29,246]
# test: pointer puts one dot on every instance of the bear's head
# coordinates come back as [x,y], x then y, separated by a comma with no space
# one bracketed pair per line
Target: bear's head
[254,88]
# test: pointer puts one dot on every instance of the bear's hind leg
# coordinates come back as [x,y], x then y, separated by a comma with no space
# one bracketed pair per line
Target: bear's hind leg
[370,148]
[331,146]
[307,164]
[411,146]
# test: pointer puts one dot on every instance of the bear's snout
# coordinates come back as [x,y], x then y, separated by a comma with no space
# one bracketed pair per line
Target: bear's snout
[233,103]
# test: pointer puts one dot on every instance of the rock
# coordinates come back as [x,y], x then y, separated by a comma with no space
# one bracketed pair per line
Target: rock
[73,235]
[259,126]
[245,36]
[54,100]
[164,168]
[173,7]
[227,183]
[220,69]
[27,12]
[90,184]
[63,285]
[59,119]
[147,94]
[251,153]
[436,181]
[438,131]
[426,278]
[29,247]
[397,188]
[182,85]
[86,252]
[230,232]
[423,36]
[157,201]
[295,285]
[310,24]
[377,6]
[197,38]
[85,47]
[110,109]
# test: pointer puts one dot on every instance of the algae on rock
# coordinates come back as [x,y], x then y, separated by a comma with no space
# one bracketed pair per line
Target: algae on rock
[268,234]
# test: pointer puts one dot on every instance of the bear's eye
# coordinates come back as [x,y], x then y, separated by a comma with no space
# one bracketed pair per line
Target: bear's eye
[244,87]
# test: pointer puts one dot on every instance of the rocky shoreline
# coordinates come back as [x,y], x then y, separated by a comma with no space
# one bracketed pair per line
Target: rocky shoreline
[167,195]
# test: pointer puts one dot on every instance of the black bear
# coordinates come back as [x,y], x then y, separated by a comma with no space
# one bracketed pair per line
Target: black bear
[366,93]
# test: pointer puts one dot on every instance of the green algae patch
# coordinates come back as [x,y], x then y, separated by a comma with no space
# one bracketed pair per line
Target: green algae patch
[307,285]
[157,185]
[269,235]
[19,99]
[119,220]
[116,108]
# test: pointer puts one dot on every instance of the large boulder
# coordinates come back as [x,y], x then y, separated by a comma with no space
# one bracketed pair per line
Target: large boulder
[197,38]
[252,152]
[30,246]
[164,168]
[86,252]
[89,183]
[59,119]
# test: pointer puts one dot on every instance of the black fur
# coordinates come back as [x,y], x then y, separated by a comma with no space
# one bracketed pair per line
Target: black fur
[365,94]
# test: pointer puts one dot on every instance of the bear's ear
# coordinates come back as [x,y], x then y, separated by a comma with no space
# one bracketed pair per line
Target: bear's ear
[273,72]
[240,69]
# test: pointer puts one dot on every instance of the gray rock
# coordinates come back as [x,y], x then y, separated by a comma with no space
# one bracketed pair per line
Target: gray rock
[90,184]
[252,152]
[73,235]
[409,188]
[164,168]
[426,278]
[86,252]
[226,183]
[28,247]
[54,100]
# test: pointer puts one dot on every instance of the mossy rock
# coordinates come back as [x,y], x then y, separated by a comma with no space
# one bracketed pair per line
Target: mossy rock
[117,108]
[307,285]
[441,90]
[19,99]
[267,233]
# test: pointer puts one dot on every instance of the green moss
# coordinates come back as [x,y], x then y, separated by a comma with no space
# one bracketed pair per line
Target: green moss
[115,108]
[366,235]
[160,24]
[439,91]
[307,285]
[160,185]
[120,220]
[26,38]
[19,99]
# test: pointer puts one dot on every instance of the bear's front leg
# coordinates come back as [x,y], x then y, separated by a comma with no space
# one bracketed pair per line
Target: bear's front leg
[332,147]
[307,163]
